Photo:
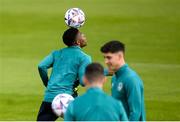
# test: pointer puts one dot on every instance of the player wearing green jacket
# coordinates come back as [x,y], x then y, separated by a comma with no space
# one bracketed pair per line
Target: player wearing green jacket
[127,86]
[68,65]
[95,105]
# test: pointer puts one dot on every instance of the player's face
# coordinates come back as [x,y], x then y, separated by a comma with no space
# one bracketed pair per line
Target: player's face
[82,39]
[112,61]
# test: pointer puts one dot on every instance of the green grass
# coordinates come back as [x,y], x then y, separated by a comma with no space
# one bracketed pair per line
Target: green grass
[31,29]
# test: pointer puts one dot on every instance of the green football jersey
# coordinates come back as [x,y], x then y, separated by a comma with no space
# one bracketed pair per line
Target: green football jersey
[95,105]
[68,65]
[128,88]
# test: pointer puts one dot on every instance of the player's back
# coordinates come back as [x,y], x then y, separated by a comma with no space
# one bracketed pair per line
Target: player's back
[95,105]
[65,70]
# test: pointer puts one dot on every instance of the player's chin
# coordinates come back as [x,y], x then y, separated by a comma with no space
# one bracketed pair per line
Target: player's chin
[84,45]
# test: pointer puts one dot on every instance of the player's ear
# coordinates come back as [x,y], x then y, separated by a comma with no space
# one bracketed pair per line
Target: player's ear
[120,55]
[77,42]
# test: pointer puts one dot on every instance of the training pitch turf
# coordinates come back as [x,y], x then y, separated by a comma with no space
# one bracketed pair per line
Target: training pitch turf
[31,29]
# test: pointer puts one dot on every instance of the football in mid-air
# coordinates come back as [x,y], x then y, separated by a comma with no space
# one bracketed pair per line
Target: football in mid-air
[74,17]
[60,103]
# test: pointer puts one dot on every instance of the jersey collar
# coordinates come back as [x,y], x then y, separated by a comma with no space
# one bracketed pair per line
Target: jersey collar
[78,47]
[121,70]
[95,89]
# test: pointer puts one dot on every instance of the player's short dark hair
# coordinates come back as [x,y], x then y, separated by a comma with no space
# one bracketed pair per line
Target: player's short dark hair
[113,47]
[69,36]
[94,71]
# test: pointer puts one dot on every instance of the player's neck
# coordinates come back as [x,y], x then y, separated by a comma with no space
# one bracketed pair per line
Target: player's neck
[76,44]
[97,85]
[121,63]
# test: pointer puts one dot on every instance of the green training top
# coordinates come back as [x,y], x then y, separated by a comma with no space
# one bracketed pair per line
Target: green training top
[68,65]
[95,105]
[128,88]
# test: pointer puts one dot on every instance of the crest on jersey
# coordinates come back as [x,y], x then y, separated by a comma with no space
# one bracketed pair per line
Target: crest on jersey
[120,86]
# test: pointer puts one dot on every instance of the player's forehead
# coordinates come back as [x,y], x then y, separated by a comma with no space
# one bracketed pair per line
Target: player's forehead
[109,54]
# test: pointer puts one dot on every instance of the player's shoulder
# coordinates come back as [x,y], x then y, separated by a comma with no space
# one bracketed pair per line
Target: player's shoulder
[133,80]
[56,52]
[79,100]
[131,72]
[65,51]
[83,54]
[76,50]
[113,101]
[131,75]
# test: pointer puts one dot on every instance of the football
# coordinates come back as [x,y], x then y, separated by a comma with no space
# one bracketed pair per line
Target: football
[74,17]
[60,103]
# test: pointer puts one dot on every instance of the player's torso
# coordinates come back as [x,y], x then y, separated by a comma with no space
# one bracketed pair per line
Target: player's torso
[118,90]
[119,86]
[64,72]
[120,83]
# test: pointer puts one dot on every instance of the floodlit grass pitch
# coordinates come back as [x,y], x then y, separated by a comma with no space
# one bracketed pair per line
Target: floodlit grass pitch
[31,29]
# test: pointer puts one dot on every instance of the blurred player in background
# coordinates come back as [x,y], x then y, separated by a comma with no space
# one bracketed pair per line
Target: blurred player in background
[127,86]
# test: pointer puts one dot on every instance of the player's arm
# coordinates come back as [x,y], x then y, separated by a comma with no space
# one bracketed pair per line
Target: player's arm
[123,115]
[69,113]
[46,63]
[86,60]
[134,99]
